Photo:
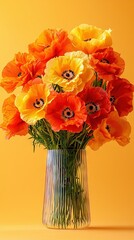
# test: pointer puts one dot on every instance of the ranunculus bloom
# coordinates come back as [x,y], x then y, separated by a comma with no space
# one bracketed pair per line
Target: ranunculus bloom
[71,71]
[89,38]
[51,43]
[97,104]
[23,68]
[113,128]
[121,95]
[66,112]
[32,103]
[107,63]
[12,123]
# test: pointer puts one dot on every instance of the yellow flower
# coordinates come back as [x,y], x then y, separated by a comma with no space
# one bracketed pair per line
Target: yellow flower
[89,38]
[71,71]
[32,103]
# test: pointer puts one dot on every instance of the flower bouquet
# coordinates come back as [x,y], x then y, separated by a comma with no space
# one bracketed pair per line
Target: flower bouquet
[70,95]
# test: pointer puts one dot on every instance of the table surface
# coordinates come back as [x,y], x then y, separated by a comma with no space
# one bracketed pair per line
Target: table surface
[42,233]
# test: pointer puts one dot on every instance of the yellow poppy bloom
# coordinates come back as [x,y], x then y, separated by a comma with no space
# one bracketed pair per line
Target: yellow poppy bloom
[89,38]
[71,71]
[32,103]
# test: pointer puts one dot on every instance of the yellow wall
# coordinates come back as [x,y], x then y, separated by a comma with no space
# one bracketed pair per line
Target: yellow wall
[111,169]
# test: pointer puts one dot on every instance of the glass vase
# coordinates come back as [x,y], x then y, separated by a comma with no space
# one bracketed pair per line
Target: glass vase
[66,200]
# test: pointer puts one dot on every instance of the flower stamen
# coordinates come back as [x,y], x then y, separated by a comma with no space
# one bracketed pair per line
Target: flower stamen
[104,60]
[112,99]
[19,74]
[92,108]
[67,113]
[47,46]
[108,128]
[68,74]
[38,103]
[88,39]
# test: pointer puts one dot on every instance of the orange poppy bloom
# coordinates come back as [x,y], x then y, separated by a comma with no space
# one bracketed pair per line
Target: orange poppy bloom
[121,95]
[89,38]
[20,70]
[112,128]
[32,82]
[51,43]
[32,102]
[97,104]
[12,123]
[66,112]
[107,63]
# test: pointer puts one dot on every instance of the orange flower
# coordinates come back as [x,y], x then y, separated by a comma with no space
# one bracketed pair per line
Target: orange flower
[32,82]
[89,38]
[107,63]
[51,43]
[66,112]
[121,95]
[20,70]
[97,104]
[31,103]
[113,128]
[12,123]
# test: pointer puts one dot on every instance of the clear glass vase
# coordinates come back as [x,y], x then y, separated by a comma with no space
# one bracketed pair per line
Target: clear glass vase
[66,200]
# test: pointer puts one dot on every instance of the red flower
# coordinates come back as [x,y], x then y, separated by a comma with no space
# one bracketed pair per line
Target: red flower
[107,63]
[121,95]
[12,123]
[66,112]
[97,104]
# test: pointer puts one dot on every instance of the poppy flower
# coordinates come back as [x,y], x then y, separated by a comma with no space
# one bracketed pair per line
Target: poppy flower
[20,70]
[107,63]
[66,112]
[97,104]
[32,82]
[32,103]
[12,123]
[71,71]
[121,95]
[112,128]
[89,38]
[50,43]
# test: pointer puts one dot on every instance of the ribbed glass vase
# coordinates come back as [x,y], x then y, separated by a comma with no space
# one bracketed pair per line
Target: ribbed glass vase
[66,200]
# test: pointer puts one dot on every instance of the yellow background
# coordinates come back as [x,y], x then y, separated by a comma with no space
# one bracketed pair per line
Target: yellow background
[111,169]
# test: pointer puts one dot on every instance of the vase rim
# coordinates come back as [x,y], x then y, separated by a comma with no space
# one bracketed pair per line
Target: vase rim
[66,149]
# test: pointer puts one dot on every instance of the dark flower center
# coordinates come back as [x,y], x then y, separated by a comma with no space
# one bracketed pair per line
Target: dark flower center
[88,39]
[67,113]
[19,74]
[104,60]
[68,74]
[108,128]
[38,103]
[92,108]
[38,76]
[47,46]
[112,99]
